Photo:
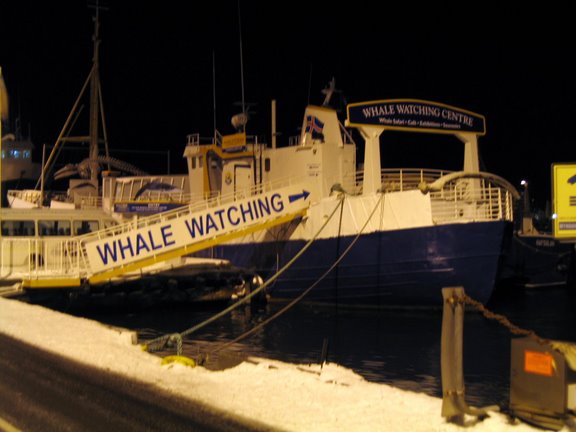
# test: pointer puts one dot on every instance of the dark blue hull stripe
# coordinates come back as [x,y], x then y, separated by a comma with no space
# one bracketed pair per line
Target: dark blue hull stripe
[400,267]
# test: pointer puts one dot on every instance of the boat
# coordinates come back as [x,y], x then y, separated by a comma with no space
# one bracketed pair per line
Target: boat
[19,171]
[370,237]
[534,258]
[394,237]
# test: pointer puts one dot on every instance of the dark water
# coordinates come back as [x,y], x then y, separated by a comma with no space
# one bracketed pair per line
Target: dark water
[398,347]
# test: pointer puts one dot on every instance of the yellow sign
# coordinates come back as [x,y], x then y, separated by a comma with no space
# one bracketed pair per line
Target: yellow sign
[3,99]
[564,196]
[234,141]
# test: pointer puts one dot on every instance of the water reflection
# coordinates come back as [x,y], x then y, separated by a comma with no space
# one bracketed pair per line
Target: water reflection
[401,348]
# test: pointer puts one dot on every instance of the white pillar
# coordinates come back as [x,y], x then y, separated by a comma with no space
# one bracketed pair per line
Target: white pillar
[471,163]
[471,159]
[372,177]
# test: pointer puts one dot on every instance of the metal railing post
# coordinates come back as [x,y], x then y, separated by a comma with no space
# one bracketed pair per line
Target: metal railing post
[454,406]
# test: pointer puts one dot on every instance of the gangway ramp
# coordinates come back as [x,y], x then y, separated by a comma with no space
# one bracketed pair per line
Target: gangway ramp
[101,256]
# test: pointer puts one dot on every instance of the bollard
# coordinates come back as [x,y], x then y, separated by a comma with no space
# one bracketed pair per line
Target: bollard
[324,353]
[454,406]
[177,337]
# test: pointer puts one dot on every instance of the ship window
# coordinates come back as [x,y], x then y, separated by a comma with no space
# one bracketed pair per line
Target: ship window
[85,227]
[54,228]
[15,228]
[200,161]
[16,154]
[267,164]
[193,163]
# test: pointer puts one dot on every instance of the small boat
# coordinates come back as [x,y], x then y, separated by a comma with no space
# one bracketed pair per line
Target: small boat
[534,258]
[19,171]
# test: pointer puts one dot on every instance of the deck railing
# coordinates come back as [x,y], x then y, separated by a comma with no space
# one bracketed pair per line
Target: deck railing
[39,257]
[471,200]
[34,199]
[463,199]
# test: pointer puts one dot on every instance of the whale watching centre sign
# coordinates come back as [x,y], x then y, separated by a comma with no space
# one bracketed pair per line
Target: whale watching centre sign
[415,115]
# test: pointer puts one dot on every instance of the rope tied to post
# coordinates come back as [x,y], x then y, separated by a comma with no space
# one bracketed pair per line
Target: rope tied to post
[307,290]
[161,342]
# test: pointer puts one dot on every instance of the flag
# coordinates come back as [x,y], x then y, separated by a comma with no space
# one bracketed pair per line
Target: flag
[3,99]
[313,124]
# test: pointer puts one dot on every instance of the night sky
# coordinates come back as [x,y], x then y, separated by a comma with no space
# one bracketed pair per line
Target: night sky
[512,63]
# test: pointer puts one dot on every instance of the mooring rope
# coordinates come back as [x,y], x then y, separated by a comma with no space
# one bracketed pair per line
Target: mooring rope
[305,292]
[160,342]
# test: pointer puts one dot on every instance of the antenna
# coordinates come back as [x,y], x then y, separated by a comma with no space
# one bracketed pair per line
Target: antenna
[328,91]
[214,87]
[309,85]
[241,64]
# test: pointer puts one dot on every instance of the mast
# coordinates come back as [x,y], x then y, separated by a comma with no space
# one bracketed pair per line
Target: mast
[96,111]
[3,115]
[94,100]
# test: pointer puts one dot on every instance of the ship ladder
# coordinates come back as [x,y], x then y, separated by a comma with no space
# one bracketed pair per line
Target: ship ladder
[130,248]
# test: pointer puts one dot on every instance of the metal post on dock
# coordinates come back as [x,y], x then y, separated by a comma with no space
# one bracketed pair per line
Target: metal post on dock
[454,406]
